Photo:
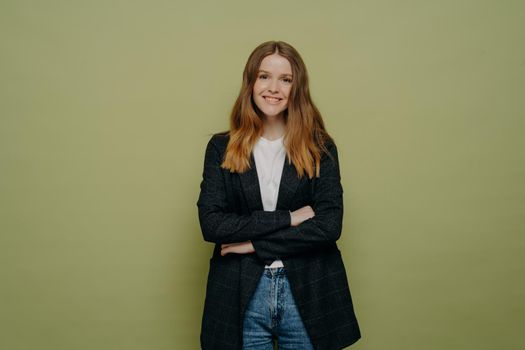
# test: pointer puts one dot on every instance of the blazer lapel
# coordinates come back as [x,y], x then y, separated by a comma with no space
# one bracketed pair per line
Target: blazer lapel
[287,186]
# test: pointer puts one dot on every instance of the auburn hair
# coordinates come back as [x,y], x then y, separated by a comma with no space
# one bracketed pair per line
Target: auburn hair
[305,135]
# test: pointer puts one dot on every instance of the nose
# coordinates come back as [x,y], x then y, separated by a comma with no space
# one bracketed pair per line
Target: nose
[274,87]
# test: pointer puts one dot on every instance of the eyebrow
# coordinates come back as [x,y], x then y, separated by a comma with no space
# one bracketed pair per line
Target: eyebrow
[261,70]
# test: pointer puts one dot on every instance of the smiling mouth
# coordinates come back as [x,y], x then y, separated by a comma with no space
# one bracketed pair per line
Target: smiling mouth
[272,99]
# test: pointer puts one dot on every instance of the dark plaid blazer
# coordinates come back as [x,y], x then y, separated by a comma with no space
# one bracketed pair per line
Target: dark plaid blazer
[230,210]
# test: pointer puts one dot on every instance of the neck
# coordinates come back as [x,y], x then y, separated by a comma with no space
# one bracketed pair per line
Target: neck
[273,127]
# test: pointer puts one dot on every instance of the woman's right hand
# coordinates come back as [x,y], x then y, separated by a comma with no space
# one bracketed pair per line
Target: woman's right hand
[301,215]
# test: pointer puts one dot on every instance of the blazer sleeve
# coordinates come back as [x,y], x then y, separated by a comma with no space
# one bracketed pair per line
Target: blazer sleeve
[217,224]
[321,230]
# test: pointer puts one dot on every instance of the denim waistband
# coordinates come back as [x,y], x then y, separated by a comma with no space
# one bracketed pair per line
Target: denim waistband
[274,271]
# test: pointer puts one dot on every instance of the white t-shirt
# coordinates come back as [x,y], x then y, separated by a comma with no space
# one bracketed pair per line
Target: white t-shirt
[269,159]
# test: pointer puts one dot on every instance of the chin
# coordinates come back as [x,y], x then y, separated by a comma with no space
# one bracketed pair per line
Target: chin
[273,113]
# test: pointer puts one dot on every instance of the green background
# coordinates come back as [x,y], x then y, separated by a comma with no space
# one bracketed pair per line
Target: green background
[105,111]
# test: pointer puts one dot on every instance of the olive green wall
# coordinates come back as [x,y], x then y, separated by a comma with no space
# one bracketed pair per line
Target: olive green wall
[106,108]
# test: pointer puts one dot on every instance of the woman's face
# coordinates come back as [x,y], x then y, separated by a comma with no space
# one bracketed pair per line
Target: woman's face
[273,85]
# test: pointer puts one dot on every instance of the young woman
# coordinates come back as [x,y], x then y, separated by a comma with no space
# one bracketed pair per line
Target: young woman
[272,202]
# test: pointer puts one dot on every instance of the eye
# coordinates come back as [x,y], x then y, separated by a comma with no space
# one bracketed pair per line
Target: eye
[288,80]
[263,76]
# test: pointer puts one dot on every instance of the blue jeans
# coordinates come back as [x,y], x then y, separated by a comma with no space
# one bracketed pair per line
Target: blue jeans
[272,313]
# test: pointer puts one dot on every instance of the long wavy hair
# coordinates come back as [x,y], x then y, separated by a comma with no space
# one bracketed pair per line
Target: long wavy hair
[305,135]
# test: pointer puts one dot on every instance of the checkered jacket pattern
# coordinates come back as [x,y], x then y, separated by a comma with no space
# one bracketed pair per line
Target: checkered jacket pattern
[230,210]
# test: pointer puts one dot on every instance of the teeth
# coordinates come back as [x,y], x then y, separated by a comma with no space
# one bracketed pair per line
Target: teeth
[272,99]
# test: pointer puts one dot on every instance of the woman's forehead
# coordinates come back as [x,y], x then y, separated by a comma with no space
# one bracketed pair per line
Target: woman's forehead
[276,64]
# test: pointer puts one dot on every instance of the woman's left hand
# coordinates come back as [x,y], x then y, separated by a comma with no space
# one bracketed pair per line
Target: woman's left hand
[239,248]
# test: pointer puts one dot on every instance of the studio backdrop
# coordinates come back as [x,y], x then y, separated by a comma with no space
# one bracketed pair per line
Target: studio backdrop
[106,108]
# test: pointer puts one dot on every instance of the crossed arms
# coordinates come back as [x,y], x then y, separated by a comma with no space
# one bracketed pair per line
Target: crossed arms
[271,232]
